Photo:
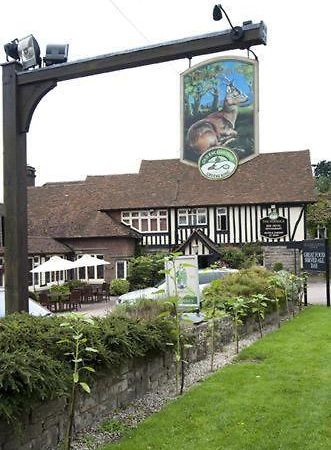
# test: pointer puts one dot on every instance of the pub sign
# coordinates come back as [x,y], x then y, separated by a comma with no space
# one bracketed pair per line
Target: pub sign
[273,228]
[314,255]
[219,108]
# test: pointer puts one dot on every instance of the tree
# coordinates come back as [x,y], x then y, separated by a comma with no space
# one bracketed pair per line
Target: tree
[319,215]
[323,168]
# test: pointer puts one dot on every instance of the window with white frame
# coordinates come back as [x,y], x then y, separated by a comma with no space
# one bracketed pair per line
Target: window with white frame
[92,272]
[222,219]
[194,216]
[147,221]
[121,269]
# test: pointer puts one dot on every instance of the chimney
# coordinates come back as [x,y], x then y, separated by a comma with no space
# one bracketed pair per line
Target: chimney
[30,176]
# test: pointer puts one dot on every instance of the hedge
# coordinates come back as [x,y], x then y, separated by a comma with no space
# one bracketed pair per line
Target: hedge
[34,367]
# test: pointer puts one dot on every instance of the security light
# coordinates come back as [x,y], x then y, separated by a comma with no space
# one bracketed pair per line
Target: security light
[25,50]
[29,52]
[237,33]
[217,12]
[11,50]
[56,54]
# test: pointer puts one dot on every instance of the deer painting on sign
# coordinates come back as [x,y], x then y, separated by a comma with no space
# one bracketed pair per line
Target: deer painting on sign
[217,128]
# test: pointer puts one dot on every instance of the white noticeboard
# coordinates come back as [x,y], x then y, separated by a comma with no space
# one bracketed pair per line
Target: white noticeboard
[183,269]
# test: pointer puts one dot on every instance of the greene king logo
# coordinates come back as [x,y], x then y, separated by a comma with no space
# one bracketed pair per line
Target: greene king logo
[218,163]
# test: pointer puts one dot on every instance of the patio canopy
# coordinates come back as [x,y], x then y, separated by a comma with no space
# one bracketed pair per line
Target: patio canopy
[54,264]
[88,260]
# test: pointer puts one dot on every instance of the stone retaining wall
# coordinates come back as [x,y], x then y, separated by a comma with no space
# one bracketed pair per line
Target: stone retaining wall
[43,427]
[289,257]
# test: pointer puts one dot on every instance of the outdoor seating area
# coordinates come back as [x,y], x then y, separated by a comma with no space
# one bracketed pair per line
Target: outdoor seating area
[72,300]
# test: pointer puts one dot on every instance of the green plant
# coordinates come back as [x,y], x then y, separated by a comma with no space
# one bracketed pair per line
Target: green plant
[60,289]
[258,305]
[237,308]
[113,426]
[245,283]
[119,286]
[74,284]
[145,271]
[176,313]
[212,314]
[34,367]
[77,342]
[277,267]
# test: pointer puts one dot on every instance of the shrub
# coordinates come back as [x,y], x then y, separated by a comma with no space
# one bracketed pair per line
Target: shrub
[119,287]
[144,271]
[73,284]
[245,256]
[277,266]
[144,309]
[245,283]
[34,367]
[60,289]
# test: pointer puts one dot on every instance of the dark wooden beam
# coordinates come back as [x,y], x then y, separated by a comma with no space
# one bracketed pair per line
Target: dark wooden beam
[15,197]
[254,34]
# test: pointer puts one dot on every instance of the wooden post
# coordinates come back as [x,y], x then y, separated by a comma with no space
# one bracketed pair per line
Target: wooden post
[15,196]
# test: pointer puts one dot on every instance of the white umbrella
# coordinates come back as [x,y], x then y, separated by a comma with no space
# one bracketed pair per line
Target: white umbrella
[54,264]
[88,260]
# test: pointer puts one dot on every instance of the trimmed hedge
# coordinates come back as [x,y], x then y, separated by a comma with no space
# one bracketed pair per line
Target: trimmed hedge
[34,367]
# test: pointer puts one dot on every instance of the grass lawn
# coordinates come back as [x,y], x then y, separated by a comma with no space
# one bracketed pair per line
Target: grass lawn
[277,396]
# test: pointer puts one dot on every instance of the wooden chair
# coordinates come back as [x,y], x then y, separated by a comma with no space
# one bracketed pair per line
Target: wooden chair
[75,299]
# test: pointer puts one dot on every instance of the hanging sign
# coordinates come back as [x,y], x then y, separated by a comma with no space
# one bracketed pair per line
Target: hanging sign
[219,108]
[182,280]
[273,228]
[314,255]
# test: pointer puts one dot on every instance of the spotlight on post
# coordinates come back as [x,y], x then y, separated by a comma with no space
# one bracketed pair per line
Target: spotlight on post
[237,33]
[11,50]
[29,52]
[25,50]
[56,54]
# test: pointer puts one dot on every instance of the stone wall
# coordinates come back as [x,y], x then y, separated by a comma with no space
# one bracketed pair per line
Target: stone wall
[43,427]
[289,257]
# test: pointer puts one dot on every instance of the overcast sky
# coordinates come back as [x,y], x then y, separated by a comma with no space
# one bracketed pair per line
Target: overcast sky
[107,123]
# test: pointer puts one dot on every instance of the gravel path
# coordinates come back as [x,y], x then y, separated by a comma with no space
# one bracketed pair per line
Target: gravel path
[140,409]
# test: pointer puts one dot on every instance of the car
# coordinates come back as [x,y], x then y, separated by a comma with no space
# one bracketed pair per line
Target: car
[158,292]
[35,309]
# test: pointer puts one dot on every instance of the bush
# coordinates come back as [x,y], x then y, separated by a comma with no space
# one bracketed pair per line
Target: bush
[245,283]
[277,266]
[74,284]
[34,367]
[119,287]
[60,289]
[144,271]
[245,256]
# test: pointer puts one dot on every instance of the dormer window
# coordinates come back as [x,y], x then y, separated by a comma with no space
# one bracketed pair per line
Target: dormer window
[147,221]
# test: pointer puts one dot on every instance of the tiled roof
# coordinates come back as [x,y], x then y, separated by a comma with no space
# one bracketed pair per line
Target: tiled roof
[68,210]
[284,177]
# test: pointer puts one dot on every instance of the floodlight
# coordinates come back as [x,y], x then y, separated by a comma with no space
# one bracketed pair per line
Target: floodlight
[11,50]
[237,33]
[56,54]
[217,12]
[29,52]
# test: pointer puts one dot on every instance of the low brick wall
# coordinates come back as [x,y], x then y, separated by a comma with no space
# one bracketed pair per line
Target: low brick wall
[43,427]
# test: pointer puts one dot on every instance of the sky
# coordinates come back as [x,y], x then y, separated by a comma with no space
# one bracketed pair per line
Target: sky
[108,123]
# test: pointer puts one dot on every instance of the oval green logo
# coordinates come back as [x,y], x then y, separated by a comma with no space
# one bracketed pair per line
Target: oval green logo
[218,163]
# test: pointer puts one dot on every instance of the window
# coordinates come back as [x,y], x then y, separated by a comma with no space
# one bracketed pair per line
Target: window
[195,216]
[321,232]
[147,221]
[222,219]
[92,272]
[121,269]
